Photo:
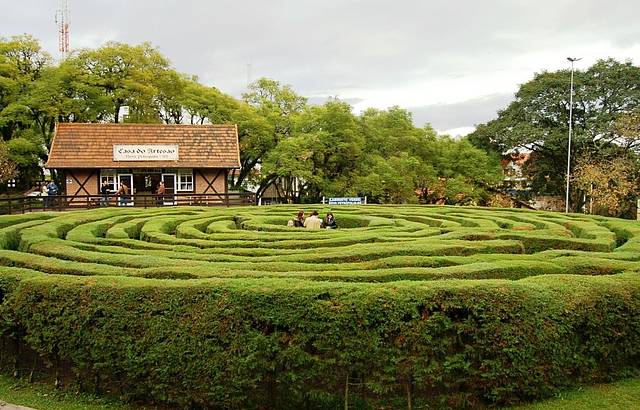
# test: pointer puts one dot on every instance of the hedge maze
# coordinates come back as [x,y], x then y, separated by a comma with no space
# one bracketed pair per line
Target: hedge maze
[401,307]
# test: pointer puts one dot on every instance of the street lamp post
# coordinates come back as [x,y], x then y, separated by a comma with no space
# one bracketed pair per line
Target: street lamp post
[566,200]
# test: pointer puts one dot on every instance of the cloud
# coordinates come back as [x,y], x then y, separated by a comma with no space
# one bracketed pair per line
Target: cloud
[461,114]
[373,52]
[457,132]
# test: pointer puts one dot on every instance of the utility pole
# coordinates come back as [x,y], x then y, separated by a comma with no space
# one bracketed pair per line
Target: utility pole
[62,20]
[566,208]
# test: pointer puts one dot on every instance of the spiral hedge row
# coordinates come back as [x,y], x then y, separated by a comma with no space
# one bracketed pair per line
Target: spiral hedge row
[401,307]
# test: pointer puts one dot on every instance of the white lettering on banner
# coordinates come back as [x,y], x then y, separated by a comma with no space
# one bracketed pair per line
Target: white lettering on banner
[346,201]
[145,152]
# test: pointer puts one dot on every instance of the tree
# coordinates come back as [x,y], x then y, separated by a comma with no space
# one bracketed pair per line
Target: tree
[208,104]
[126,76]
[338,146]
[57,97]
[22,62]
[390,132]
[304,151]
[23,65]
[290,168]
[537,120]
[435,169]
[26,150]
[171,88]
[8,169]
[278,106]
[627,129]
[465,173]
[390,180]
[609,185]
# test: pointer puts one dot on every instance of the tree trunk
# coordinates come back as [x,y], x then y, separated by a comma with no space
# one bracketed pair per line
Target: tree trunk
[244,171]
[264,185]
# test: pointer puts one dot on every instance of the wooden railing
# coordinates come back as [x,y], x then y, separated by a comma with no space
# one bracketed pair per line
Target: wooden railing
[24,204]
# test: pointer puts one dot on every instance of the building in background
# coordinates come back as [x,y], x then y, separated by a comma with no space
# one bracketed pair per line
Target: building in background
[514,180]
[517,186]
[189,159]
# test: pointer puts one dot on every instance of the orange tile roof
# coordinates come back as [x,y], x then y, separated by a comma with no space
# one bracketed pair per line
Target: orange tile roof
[78,145]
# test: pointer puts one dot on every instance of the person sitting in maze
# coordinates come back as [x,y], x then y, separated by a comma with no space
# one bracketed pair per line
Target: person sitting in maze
[329,221]
[298,221]
[313,222]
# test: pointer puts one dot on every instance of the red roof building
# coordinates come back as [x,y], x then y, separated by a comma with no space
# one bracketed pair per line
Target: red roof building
[186,158]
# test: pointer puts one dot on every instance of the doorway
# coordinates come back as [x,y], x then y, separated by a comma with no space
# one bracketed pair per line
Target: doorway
[170,188]
[126,199]
[145,186]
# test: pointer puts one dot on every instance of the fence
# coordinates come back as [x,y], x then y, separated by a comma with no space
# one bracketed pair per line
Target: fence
[69,202]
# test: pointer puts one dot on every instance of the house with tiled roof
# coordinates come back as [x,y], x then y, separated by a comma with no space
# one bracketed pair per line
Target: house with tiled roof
[192,159]
[513,170]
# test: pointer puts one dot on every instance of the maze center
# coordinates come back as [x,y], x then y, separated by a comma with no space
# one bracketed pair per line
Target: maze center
[371,244]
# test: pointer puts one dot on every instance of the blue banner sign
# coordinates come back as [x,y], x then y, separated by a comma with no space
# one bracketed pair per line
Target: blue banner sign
[346,201]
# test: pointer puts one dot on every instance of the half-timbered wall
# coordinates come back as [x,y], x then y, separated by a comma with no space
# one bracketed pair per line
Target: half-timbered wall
[210,181]
[86,181]
[81,181]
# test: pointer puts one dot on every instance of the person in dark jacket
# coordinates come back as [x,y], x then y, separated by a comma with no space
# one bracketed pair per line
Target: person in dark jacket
[52,189]
[329,221]
[104,191]
[298,221]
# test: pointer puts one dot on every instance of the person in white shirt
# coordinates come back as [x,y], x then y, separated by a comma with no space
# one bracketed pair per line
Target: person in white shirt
[313,222]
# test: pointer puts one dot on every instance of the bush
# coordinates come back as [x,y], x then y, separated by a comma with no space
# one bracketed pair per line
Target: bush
[442,307]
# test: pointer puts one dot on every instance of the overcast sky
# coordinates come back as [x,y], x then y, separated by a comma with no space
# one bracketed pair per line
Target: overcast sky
[452,63]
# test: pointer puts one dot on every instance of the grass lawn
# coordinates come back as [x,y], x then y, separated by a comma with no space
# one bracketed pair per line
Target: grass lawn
[44,397]
[622,395]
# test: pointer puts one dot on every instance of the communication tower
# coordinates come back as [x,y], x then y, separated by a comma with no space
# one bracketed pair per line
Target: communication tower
[62,20]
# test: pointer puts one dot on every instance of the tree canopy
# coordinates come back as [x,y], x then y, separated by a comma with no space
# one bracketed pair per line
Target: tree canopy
[305,151]
[605,122]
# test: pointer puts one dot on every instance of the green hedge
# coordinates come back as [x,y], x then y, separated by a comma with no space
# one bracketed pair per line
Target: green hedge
[251,344]
[228,308]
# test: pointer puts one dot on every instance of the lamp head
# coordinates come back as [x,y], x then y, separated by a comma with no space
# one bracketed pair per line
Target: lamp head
[573,59]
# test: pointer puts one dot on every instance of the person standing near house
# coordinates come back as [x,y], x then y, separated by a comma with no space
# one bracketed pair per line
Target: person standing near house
[160,193]
[123,194]
[104,191]
[44,193]
[313,222]
[52,189]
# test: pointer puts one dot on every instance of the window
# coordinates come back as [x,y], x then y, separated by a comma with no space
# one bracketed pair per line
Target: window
[185,181]
[110,178]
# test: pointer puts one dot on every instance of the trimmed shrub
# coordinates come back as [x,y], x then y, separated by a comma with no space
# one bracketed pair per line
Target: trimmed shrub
[443,307]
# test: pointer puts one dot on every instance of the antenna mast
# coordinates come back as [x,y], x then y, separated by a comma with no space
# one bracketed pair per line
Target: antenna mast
[62,20]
